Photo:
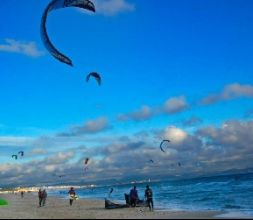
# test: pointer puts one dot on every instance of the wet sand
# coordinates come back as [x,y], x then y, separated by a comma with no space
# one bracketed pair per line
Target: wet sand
[27,208]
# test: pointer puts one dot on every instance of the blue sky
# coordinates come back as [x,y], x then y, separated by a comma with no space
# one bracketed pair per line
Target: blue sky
[170,69]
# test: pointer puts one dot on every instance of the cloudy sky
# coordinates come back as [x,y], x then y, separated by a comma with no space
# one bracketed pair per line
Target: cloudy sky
[179,70]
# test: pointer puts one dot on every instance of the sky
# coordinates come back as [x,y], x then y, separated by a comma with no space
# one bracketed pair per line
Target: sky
[177,70]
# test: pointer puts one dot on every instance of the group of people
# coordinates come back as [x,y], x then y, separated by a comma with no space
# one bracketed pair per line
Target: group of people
[42,194]
[134,198]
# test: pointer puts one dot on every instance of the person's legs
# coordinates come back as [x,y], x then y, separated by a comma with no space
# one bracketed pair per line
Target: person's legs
[149,205]
[152,204]
[135,202]
[44,201]
[132,202]
[71,202]
[40,201]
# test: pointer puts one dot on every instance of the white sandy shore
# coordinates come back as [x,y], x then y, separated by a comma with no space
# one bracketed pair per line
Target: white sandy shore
[27,208]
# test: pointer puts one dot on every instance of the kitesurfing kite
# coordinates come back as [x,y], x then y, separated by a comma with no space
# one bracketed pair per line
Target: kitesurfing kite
[86,163]
[15,157]
[59,4]
[95,75]
[21,153]
[163,145]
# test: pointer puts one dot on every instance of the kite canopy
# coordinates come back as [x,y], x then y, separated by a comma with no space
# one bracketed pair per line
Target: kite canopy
[163,145]
[21,153]
[95,75]
[86,161]
[58,4]
[15,157]
[3,202]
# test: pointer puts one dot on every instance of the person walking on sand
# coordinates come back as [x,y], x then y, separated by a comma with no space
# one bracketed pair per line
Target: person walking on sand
[40,195]
[44,197]
[149,198]
[72,195]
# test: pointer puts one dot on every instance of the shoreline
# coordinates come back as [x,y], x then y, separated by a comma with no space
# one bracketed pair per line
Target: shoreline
[58,208]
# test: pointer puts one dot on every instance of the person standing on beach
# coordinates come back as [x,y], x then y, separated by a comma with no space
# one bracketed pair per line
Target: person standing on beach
[72,195]
[40,195]
[149,197]
[134,197]
[44,197]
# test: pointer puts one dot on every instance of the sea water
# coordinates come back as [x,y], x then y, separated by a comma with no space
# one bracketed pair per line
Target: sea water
[232,194]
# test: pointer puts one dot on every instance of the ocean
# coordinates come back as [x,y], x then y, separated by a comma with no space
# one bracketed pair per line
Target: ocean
[232,194]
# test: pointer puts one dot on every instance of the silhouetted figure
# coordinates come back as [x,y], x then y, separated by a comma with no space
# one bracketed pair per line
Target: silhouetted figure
[40,196]
[72,195]
[149,198]
[44,197]
[133,197]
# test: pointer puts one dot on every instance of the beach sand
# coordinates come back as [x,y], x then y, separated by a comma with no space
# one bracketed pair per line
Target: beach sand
[56,208]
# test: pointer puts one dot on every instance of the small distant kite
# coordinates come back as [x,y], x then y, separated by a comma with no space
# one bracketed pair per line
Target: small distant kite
[15,157]
[21,153]
[163,145]
[86,162]
[96,76]
[151,161]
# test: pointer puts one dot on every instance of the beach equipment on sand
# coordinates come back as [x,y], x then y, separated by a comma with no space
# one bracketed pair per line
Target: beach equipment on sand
[73,197]
[110,205]
[3,202]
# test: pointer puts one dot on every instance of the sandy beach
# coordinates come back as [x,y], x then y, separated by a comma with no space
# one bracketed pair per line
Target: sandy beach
[27,208]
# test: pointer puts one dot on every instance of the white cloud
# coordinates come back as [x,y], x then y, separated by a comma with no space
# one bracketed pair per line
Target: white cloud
[15,141]
[90,127]
[171,106]
[175,105]
[229,92]
[193,121]
[50,168]
[20,47]
[175,135]
[144,113]
[38,151]
[93,126]
[113,7]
